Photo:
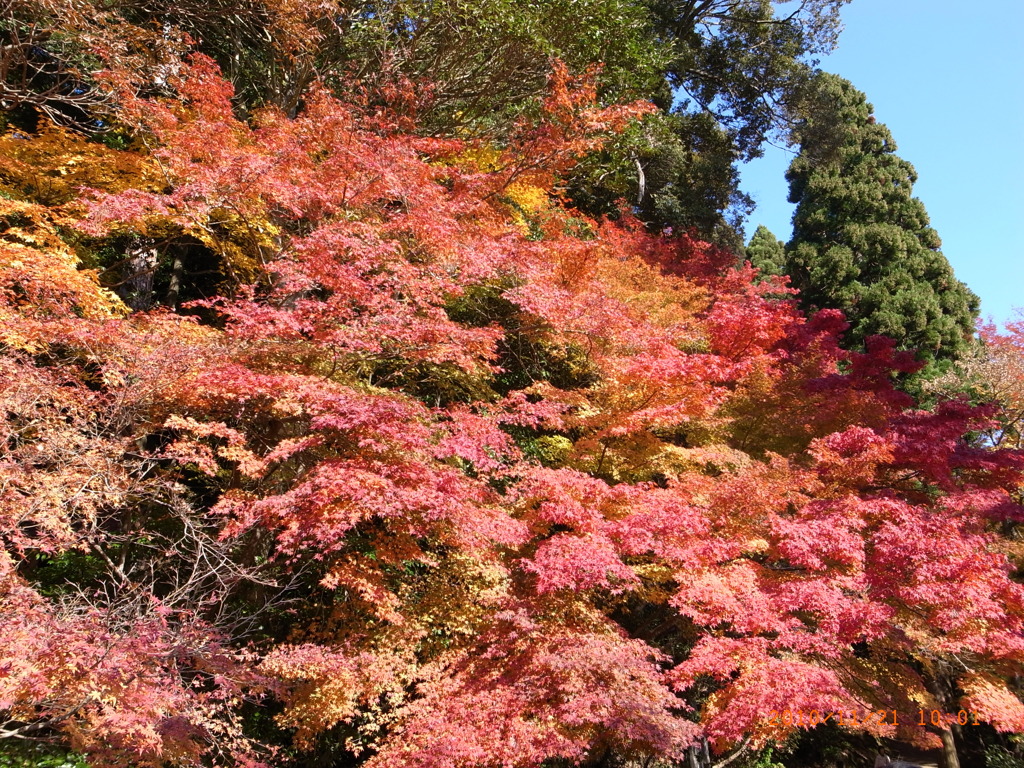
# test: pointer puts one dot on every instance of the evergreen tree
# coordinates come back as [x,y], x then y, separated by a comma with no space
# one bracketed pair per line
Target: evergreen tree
[766,252]
[861,242]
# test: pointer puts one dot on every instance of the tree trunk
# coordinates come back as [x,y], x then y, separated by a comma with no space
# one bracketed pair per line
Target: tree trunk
[699,755]
[136,290]
[941,689]
[950,759]
[174,289]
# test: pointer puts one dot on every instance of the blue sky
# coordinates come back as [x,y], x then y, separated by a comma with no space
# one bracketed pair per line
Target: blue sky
[947,78]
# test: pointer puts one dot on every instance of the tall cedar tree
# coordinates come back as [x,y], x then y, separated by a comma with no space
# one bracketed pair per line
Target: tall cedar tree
[861,241]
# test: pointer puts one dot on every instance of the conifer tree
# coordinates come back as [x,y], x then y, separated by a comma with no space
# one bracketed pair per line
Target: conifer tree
[766,252]
[861,241]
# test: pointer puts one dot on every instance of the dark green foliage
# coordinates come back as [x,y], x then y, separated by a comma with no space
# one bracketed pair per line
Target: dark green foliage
[1000,757]
[674,170]
[737,68]
[743,60]
[766,252]
[861,242]
[30,754]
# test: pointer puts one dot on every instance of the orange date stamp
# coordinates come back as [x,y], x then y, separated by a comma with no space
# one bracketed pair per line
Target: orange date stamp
[800,718]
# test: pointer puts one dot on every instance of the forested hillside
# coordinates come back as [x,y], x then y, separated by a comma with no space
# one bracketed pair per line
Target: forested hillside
[388,384]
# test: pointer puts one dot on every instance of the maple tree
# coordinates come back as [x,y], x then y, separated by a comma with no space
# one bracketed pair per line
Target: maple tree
[440,471]
[991,372]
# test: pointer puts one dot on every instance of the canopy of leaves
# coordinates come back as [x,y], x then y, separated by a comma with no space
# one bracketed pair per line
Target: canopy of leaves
[320,437]
[461,68]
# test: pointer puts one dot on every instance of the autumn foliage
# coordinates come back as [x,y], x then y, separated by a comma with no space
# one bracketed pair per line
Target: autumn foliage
[432,476]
